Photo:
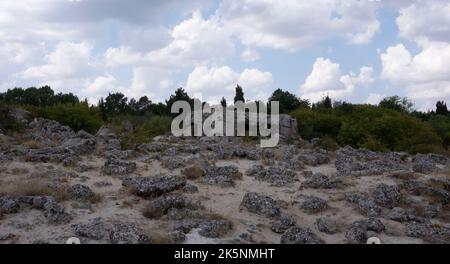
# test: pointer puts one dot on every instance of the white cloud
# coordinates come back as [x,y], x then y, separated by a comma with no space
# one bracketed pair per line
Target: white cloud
[293,24]
[215,82]
[68,60]
[250,55]
[425,77]
[326,79]
[425,19]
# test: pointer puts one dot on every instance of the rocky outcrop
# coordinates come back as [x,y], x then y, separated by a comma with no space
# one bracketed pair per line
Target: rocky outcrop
[118,167]
[297,235]
[352,162]
[150,187]
[126,233]
[261,205]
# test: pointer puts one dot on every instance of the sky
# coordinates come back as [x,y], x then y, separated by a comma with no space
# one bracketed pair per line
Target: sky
[352,50]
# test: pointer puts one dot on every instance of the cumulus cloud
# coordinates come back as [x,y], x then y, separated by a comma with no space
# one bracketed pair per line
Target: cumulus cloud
[426,19]
[425,75]
[214,82]
[293,24]
[326,79]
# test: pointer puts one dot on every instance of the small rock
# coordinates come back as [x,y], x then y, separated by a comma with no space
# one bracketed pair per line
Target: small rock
[128,234]
[326,225]
[313,205]
[296,235]
[261,205]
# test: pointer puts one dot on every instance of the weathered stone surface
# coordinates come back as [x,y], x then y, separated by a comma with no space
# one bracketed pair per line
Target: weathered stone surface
[80,192]
[48,130]
[149,187]
[52,211]
[386,195]
[400,215]
[358,231]
[277,176]
[313,205]
[161,205]
[320,181]
[326,225]
[95,229]
[288,127]
[223,176]
[352,162]
[214,228]
[9,205]
[125,233]
[261,205]
[297,235]
[172,163]
[427,163]
[118,167]
[369,207]
[283,223]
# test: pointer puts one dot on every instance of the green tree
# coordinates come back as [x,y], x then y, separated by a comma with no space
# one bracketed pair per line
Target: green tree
[324,105]
[239,96]
[179,95]
[441,108]
[397,103]
[288,101]
[115,103]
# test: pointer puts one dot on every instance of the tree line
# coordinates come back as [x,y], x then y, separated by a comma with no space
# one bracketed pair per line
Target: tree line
[393,124]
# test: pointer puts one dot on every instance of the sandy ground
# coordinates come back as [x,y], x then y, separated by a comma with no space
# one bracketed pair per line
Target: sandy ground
[118,205]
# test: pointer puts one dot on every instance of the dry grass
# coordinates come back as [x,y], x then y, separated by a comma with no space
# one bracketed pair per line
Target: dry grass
[17,171]
[152,212]
[193,172]
[32,187]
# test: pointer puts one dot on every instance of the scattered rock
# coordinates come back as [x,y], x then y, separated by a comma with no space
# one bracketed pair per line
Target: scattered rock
[94,229]
[400,215]
[125,233]
[386,195]
[326,225]
[297,235]
[80,192]
[369,207]
[214,228]
[261,205]
[118,167]
[283,223]
[223,176]
[149,187]
[320,181]
[313,205]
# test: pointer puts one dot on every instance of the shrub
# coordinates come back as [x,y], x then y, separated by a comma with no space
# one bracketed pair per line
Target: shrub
[328,143]
[152,127]
[78,116]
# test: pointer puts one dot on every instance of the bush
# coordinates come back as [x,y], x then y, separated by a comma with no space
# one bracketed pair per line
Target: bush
[328,143]
[78,116]
[374,128]
[152,127]
[7,122]
[313,124]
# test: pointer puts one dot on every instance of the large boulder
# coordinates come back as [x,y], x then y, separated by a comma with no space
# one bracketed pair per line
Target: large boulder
[261,205]
[150,187]
[288,127]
